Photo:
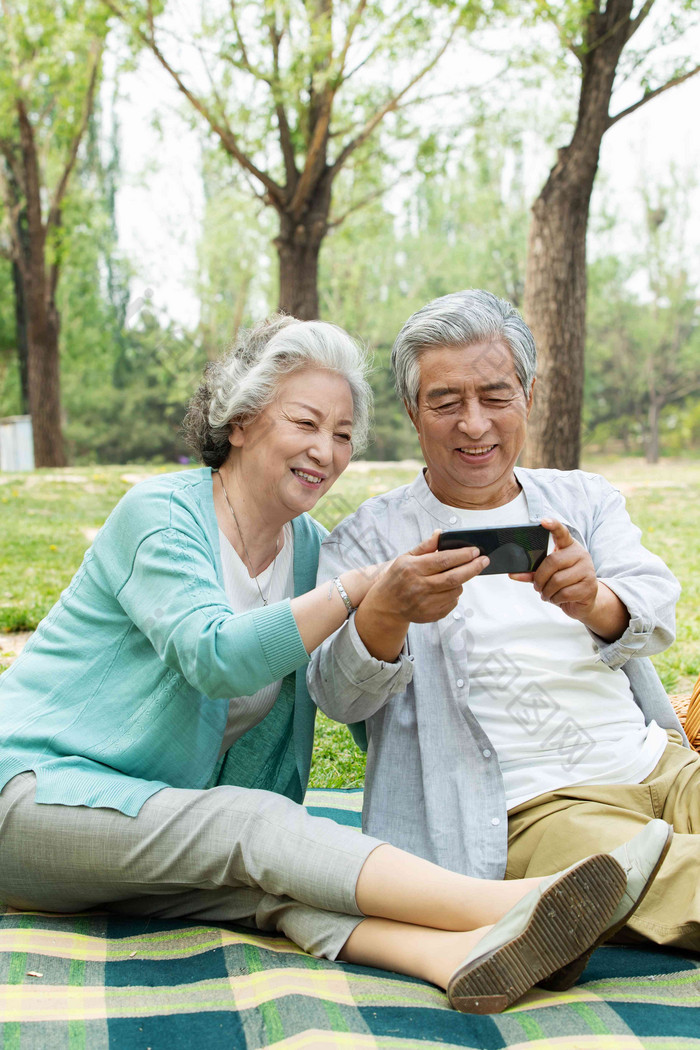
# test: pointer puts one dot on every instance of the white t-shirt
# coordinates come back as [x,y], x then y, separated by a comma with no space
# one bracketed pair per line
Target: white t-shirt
[539,689]
[244,712]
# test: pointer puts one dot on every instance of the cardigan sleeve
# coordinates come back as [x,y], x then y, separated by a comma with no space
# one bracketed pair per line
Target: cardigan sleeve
[158,562]
[173,596]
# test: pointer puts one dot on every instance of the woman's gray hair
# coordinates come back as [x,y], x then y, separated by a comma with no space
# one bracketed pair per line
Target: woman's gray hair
[461,319]
[238,387]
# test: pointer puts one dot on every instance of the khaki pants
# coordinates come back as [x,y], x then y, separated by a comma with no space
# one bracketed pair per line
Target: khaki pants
[554,830]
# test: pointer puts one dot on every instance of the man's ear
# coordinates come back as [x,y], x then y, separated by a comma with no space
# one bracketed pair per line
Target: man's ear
[412,414]
[530,398]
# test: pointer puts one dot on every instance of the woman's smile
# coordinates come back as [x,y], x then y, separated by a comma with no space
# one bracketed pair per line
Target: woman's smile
[308,477]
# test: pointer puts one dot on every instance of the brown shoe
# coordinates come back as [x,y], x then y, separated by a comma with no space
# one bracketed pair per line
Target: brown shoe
[640,859]
[543,932]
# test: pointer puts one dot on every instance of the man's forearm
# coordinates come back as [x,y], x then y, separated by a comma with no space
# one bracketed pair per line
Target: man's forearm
[608,616]
[347,683]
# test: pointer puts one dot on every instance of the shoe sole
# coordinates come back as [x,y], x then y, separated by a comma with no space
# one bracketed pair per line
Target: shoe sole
[567,976]
[571,913]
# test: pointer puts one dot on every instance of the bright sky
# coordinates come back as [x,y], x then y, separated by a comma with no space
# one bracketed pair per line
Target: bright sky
[160,203]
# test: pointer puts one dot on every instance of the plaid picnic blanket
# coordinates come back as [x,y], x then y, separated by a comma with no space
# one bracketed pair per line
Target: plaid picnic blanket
[94,981]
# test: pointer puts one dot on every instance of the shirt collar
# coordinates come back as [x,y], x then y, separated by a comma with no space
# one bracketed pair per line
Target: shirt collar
[421,492]
[538,507]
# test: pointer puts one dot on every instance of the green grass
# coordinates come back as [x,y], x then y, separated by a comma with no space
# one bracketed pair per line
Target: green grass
[45,523]
[47,520]
[663,501]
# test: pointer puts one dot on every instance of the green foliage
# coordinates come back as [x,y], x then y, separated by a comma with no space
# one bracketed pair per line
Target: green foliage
[680,428]
[47,53]
[643,346]
[135,413]
[126,373]
[45,46]
[465,227]
[237,268]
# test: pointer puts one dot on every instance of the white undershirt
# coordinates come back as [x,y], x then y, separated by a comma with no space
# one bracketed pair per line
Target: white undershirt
[276,583]
[555,712]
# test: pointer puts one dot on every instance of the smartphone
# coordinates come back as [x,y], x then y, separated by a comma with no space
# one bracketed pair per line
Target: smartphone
[512,548]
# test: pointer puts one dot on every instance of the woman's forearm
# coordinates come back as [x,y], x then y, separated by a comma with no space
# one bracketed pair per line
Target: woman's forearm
[322,611]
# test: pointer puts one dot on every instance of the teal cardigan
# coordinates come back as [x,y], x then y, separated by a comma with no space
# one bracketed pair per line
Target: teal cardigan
[124,687]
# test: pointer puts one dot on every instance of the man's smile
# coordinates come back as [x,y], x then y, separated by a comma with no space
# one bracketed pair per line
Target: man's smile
[476,450]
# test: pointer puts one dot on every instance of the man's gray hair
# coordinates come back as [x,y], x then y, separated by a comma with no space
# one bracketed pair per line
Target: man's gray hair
[461,319]
[237,388]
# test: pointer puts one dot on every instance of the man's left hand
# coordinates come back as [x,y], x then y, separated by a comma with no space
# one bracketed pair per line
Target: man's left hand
[567,578]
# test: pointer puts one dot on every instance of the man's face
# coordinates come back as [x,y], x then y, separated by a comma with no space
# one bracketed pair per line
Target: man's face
[471,420]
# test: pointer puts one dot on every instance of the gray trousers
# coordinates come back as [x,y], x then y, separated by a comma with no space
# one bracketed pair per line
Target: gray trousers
[251,857]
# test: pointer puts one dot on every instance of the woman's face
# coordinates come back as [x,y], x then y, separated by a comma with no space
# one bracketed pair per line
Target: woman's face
[291,453]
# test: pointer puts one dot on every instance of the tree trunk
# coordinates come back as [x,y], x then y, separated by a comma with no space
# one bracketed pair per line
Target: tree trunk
[555,310]
[653,424]
[43,372]
[298,247]
[555,280]
[39,281]
[21,338]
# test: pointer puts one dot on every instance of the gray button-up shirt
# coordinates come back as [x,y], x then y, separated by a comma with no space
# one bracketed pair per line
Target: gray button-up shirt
[433,784]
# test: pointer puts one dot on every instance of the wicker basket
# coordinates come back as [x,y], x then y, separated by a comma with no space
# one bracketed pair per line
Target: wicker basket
[688,710]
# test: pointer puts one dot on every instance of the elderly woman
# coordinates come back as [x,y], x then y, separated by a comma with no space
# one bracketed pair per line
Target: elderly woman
[156,732]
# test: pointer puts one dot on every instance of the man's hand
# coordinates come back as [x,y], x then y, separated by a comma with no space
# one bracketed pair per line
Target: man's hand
[567,578]
[425,584]
[418,587]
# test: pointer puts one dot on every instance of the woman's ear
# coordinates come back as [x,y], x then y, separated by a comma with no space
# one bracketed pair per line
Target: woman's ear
[236,435]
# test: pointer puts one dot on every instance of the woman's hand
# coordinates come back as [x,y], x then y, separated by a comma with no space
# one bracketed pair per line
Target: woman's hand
[420,586]
[322,611]
[567,578]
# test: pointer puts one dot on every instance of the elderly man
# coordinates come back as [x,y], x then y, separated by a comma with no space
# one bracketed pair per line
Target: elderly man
[514,724]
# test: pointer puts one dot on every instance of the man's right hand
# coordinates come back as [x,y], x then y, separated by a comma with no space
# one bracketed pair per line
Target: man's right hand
[420,586]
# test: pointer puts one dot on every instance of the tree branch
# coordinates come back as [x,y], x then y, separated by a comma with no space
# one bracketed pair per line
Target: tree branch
[636,22]
[577,51]
[315,154]
[226,136]
[11,160]
[392,31]
[353,23]
[212,84]
[600,21]
[30,183]
[286,144]
[246,63]
[237,31]
[53,275]
[652,94]
[365,201]
[389,106]
[59,193]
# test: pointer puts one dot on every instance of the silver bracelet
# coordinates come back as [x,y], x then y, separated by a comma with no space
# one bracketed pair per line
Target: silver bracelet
[343,594]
